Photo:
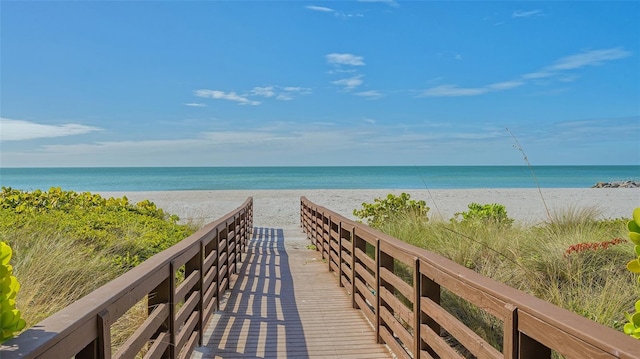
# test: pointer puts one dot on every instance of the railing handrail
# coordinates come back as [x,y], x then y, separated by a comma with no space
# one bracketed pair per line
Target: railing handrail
[82,329]
[532,327]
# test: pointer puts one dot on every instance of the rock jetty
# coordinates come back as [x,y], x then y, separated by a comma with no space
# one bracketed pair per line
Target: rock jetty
[617,184]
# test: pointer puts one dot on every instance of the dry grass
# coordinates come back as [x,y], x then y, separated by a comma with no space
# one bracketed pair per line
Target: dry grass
[592,283]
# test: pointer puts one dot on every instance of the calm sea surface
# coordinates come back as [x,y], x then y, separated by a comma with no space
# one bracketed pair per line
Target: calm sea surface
[245,178]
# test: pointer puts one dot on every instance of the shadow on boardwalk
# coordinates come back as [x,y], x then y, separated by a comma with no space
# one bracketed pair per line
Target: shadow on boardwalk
[287,306]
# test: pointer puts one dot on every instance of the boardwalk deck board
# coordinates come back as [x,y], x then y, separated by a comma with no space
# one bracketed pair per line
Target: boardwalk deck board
[286,304]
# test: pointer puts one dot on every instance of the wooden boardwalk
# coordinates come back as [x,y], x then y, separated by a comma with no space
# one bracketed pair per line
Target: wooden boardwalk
[286,304]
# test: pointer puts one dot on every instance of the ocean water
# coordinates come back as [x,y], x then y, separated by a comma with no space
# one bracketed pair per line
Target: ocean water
[248,178]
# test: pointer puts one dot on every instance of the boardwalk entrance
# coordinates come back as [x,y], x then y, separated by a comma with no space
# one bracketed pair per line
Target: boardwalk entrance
[286,304]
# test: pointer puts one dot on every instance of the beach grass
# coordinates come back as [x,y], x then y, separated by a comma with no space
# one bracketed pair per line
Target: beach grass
[574,260]
[66,244]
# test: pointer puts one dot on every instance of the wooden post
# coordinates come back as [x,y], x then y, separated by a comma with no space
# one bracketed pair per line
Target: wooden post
[510,335]
[354,244]
[383,260]
[417,311]
[340,254]
[431,290]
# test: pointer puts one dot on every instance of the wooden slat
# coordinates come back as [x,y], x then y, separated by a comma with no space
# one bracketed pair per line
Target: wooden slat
[397,283]
[396,328]
[399,309]
[439,345]
[472,341]
[187,308]
[143,334]
[186,285]
[393,344]
[158,347]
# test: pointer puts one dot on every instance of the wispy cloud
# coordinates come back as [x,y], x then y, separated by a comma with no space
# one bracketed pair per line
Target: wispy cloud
[349,83]
[345,59]
[530,13]
[229,96]
[557,71]
[195,104]
[19,130]
[319,8]
[371,94]
[499,86]
[452,91]
[589,58]
[336,13]
[388,2]
[284,93]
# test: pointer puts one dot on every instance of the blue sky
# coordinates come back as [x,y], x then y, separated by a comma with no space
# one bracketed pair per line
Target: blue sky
[266,83]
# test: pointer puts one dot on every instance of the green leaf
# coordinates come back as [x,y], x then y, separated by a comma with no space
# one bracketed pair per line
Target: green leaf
[637,249]
[635,237]
[633,226]
[638,306]
[636,215]
[634,266]
[629,328]
[635,319]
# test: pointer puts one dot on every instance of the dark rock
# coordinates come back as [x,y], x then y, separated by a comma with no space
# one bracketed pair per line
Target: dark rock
[617,184]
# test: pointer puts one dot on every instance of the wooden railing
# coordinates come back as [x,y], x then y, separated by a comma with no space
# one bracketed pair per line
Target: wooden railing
[398,288]
[178,312]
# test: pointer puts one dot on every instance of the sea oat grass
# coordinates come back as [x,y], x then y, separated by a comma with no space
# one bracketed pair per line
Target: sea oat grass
[68,244]
[592,282]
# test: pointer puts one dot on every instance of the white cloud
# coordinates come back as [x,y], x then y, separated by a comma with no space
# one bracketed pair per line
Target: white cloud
[349,83]
[263,91]
[194,104]
[521,13]
[557,71]
[589,58]
[221,95]
[537,75]
[283,93]
[372,94]
[18,130]
[505,85]
[452,91]
[345,59]
[319,8]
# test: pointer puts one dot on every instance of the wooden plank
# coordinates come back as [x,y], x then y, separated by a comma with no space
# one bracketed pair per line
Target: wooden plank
[397,283]
[472,341]
[143,334]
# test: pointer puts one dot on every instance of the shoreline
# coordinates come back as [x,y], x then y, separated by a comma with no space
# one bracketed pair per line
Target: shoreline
[280,208]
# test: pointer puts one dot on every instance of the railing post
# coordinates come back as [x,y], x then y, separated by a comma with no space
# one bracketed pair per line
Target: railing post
[164,293]
[216,266]
[197,264]
[354,244]
[510,335]
[417,308]
[430,289]
[383,260]
[340,254]
[329,240]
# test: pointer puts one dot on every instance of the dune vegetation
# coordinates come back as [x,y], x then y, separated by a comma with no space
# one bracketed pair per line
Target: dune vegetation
[66,244]
[574,260]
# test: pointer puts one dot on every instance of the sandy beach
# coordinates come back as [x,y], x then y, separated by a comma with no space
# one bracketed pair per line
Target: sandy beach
[280,208]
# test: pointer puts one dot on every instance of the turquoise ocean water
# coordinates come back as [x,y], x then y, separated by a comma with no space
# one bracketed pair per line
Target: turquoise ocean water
[247,178]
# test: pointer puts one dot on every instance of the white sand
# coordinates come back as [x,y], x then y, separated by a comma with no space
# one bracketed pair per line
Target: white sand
[280,208]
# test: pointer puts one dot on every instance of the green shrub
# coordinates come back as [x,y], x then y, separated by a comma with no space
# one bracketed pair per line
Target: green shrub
[479,215]
[67,244]
[632,327]
[382,209]
[534,259]
[10,318]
